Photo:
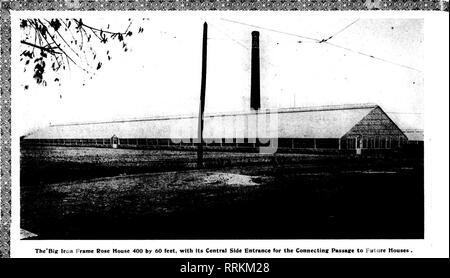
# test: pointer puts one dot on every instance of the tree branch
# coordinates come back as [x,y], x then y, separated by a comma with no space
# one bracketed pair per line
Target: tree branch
[100,30]
[63,40]
[50,50]
[93,32]
[62,50]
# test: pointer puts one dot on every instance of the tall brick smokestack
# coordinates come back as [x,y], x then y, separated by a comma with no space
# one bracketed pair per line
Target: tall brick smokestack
[255,93]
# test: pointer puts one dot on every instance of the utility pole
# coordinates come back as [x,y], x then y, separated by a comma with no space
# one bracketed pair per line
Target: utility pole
[255,90]
[202,98]
[255,98]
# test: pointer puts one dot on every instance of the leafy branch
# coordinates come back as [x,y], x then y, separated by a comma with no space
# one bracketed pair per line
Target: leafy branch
[65,42]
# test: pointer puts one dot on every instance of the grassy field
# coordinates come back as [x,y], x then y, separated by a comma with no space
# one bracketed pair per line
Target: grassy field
[95,193]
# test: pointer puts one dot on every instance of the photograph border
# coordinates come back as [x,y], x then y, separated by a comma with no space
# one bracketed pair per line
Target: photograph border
[146,5]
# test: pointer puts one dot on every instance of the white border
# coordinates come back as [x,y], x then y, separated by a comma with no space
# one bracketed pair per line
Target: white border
[436,239]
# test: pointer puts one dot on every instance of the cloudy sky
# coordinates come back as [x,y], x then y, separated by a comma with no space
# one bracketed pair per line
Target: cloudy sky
[372,60]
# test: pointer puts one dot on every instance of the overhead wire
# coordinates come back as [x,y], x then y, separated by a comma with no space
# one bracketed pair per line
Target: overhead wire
[237,41]
[371,56]
[342,30]
[326,42]
[271,30]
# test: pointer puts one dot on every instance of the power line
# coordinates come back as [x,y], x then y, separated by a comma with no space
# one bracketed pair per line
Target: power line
[272,30]
[359,52]
[371,56]
[325,41]
[229,36]
[237,41]
[342,30]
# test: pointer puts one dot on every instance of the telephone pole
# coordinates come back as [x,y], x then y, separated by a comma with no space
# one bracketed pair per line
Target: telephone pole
[202,98]
[255,91]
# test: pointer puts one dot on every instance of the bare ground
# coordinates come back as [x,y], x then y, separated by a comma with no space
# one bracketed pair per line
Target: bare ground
[93,193]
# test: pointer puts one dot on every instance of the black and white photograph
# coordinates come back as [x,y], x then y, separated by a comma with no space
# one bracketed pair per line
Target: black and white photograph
[223,126]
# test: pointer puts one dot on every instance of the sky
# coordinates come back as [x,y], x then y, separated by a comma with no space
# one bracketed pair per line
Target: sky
[160,74]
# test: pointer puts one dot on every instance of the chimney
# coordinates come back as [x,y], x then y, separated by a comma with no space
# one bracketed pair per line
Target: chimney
[255,98]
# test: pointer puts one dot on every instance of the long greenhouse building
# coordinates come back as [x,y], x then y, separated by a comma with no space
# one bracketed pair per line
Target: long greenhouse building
[354,128]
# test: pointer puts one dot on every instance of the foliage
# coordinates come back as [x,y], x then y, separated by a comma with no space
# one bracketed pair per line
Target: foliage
[56,44]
